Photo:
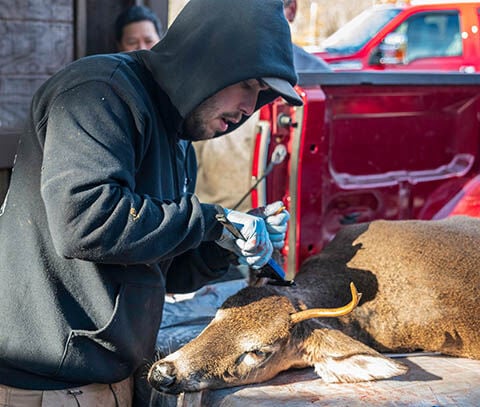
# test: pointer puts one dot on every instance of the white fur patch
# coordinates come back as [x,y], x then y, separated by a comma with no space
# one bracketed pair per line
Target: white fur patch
[247,343]
[172,357]
[358,368]
[219,315]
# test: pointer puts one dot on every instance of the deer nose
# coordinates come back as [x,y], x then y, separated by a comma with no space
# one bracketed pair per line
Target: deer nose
[162,376]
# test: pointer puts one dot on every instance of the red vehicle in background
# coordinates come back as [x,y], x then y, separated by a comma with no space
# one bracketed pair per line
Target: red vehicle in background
[416,35]
[369,145]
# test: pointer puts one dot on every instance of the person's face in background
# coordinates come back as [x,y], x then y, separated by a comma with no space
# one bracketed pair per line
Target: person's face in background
[138,35]
[290,9]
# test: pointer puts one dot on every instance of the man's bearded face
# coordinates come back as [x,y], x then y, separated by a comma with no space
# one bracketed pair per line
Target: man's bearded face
[228,106]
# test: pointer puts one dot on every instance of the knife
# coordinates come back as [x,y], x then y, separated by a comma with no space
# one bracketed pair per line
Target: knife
[271,269]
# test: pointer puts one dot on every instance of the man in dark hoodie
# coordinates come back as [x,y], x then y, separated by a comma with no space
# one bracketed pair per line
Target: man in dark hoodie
[100,218]
[227,161]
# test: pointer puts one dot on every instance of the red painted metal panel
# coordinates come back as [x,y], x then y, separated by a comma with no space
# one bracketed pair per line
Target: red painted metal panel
[363,152]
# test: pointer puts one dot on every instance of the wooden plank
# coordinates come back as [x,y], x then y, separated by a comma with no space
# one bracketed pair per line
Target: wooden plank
[189,399]
[81,20]
[15,97]
[35,47]
[53,10]
[101,17]
[430,381]
[160,8]
[31,51]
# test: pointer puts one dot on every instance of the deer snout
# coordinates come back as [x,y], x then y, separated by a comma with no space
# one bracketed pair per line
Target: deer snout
[162,376]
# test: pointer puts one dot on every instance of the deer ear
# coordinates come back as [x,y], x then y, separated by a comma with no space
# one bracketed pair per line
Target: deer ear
[338,358]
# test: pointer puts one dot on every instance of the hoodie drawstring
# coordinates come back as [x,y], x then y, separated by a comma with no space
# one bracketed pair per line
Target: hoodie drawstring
[187,179]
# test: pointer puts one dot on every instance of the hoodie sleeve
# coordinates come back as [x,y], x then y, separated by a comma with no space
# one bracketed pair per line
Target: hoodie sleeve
[197,267]
[91,152]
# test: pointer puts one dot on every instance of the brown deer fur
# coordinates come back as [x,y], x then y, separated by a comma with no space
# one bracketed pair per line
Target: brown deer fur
[419,282]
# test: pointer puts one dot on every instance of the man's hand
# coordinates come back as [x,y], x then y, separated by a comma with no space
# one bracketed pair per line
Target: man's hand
[256,249]
[276,219]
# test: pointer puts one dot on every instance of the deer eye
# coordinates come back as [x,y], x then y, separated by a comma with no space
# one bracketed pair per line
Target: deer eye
[254,358]
[260,354]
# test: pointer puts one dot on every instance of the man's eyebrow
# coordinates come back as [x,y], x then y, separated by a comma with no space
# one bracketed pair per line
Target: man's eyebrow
[262,84]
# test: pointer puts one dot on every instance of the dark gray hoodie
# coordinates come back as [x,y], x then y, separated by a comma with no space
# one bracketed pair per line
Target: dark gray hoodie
[101,216]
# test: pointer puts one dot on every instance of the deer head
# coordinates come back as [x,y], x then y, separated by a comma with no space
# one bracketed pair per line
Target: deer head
[255,335]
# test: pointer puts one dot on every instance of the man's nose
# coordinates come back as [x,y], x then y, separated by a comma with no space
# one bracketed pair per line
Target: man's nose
[248,106]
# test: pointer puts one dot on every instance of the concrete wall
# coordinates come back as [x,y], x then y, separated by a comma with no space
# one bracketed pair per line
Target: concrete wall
[36,39]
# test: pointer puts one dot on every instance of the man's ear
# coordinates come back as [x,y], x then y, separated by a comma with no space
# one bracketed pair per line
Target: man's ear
[338,358]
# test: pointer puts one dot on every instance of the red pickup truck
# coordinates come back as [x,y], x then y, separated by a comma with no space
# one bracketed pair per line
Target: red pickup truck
[421,35]
[369,145]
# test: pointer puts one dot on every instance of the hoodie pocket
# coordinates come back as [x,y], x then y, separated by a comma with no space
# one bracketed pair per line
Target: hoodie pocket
[112,352]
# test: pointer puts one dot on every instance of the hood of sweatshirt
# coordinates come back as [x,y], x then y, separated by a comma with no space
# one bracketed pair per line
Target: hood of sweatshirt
[213,44]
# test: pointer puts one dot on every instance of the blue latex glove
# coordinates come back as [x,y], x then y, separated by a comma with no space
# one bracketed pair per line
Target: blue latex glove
[256,249]
[276,221]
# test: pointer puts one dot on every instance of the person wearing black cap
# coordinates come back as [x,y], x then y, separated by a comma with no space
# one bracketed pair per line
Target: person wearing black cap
[101,218]
[224,164]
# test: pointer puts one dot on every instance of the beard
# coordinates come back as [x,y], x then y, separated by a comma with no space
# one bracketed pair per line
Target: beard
[195,126]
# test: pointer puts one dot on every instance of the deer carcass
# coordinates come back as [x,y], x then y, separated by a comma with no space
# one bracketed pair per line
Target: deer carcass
[419,282]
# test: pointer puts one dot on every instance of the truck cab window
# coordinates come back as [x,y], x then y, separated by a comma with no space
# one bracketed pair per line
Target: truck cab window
[432,35]
[357,32]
